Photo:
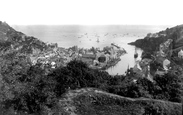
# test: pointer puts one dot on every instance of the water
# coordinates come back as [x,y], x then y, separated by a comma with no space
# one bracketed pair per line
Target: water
[87,36]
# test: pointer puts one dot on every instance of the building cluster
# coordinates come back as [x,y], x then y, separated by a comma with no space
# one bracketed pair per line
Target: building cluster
[155,35]
[142,67]
[180,54]
[56,56]
[102,58]
[164,48]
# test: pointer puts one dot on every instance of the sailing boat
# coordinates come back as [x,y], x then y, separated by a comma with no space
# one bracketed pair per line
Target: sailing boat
[136,54]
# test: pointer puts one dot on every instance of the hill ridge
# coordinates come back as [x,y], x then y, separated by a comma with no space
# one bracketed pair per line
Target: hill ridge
[67,102]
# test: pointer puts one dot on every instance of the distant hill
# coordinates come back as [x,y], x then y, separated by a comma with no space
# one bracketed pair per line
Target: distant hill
[152,41]
[12,39]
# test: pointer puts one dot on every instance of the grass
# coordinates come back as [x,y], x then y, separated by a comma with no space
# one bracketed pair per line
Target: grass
[93,103]
[90,101]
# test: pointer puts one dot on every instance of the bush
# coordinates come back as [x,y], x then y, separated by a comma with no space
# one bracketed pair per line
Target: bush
[169,87]
[78,75]
[29,89]
[101,103]
[166,87]
[24,87]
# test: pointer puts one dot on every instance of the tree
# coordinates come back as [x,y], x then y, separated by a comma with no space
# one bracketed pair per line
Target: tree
[23,86]
[77,74]
[169,87]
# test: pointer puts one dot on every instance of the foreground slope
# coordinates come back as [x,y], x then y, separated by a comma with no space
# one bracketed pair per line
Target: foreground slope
[96,102]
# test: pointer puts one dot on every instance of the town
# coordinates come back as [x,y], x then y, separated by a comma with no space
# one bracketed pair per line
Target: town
[56,56]
[162,58]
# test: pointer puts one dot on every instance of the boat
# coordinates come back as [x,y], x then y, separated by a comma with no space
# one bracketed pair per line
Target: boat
[98,40]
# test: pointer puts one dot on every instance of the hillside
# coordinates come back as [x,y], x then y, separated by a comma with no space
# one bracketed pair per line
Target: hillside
[92,101]
[152,44]
[12,39]
[152,41]
[96,102]
[36,90]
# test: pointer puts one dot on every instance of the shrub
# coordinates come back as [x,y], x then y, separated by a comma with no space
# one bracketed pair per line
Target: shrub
[24,87]
[169,87]
[78,75]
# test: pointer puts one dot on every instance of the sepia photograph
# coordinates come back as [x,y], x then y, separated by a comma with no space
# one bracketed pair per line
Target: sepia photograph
[91,57]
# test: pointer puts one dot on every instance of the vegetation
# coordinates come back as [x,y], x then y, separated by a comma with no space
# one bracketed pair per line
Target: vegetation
[107,104]
[166,87]
[27,88]
[12,39]
[151,44]
[31,89]
[23,87]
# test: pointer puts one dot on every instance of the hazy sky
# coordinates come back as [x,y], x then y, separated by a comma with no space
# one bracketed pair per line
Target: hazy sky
[92,12]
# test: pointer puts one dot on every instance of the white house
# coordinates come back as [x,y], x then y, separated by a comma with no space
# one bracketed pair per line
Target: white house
[166,64]
[180,54]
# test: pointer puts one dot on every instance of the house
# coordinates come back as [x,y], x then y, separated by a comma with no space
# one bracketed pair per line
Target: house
[53,45]
[107,57]
[95,62]
[166,64]
[144,62]
[180,54]
[88,58]
[33,60]
[113,53]
[99,54]
[164,47]
[159,58]
[137,66]
[89,61]
[53,64]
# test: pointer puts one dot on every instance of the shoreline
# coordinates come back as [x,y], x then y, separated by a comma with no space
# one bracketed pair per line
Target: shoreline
[111,64]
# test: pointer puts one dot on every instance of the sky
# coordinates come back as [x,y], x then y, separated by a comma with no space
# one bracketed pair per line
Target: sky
[91,12]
